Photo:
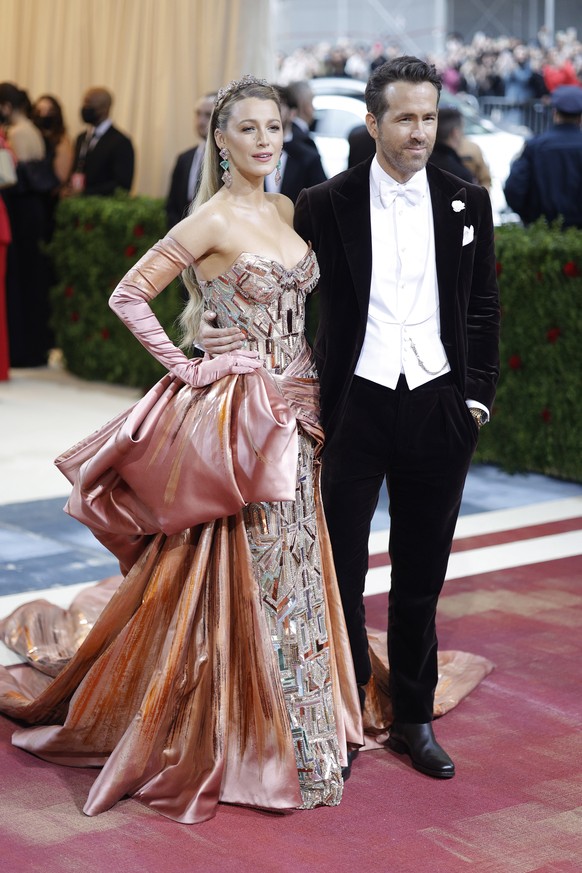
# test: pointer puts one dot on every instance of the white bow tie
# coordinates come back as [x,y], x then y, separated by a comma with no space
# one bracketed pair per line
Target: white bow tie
[389,192]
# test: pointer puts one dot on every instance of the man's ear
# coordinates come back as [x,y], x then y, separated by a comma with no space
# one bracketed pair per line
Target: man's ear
[372,125]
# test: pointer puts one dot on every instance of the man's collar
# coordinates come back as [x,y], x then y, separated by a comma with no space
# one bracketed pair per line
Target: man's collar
[417,183]
[102,128]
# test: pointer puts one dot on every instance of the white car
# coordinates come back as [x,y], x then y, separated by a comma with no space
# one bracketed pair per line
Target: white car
[339,107]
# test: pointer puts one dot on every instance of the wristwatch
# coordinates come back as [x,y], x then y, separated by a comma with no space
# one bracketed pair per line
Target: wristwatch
[479,415]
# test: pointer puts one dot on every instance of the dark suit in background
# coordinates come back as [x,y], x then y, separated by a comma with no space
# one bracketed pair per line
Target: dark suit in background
[107,165]
[303,168]
[546,179]
[178,200]
[188,167]
[361,145]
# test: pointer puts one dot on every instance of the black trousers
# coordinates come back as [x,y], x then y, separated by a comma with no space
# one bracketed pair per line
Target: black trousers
[422,442]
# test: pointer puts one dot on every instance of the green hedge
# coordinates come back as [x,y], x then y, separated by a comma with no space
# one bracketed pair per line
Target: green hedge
[537,418]
[97,239]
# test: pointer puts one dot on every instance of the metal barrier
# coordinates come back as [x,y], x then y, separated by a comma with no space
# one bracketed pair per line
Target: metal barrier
[533,114]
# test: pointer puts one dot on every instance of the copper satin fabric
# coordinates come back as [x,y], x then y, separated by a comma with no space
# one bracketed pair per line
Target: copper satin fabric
[182,456]
[164,692]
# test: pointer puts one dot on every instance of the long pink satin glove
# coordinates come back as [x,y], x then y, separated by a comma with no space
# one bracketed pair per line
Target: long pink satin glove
[130,301]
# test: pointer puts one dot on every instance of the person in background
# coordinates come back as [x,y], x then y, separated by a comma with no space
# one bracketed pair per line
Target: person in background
[48,117]
[47,114]
[27,277]
[5,239]
[546,179]
[360,145]
[473,159]
[104,156]
[300,164]
[559,70]
[449,136]
[188,167]
[303,123]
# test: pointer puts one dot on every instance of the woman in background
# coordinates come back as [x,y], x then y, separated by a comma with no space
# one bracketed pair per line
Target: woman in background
[48,117]
[27,277]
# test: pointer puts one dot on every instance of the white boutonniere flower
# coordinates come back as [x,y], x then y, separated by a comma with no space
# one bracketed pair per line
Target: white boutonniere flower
[458,205]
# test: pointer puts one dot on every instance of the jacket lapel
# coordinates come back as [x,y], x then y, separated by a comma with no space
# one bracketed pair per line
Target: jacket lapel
[351,207]
[449,221]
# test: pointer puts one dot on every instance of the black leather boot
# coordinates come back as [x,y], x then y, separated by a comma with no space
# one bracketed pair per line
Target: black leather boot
[418,741]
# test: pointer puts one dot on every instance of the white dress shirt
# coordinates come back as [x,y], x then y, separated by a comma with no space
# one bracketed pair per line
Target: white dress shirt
[403,327]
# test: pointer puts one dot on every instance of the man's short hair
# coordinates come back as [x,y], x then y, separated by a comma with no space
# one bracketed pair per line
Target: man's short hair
[449,119]
[402,69]
[286,96]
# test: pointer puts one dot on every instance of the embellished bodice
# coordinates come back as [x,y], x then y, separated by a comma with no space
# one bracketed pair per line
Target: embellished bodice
[267,302]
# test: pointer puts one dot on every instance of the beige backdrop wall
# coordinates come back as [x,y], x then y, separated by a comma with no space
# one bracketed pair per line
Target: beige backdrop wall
[156,56]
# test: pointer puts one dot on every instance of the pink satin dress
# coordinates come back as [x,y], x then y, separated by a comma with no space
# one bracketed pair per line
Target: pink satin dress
[219,669]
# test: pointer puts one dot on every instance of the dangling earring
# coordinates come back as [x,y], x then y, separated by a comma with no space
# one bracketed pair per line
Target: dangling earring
[278,172]
[226,176]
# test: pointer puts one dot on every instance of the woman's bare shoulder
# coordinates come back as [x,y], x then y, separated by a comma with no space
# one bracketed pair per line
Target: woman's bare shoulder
[201,232]
[284,207]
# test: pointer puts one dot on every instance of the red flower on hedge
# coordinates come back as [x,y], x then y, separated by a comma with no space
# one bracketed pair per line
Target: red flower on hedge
[104,333]
[540,276]
[75,316]
[553,334]
[88,227]
[515,362]
[130,251]
[138,230]
[570,269]
[69,291]
[498,268]
[546,415]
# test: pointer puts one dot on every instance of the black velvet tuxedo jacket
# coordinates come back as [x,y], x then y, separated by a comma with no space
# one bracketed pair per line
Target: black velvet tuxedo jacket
[303,168]
[335,218]
[177,200]
[109,164]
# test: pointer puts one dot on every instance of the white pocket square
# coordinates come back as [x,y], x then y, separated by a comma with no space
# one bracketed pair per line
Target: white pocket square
[468,235]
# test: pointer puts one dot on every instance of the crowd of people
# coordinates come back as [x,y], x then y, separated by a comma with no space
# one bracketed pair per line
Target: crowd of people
[501,66]
[48,165]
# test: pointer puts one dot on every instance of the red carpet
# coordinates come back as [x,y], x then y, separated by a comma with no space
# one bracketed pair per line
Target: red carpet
[515,805]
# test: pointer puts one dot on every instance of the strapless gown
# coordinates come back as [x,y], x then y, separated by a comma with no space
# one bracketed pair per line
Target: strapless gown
[219,669]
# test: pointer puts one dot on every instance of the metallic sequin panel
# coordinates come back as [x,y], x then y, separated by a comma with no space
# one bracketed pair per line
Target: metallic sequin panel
[268,303]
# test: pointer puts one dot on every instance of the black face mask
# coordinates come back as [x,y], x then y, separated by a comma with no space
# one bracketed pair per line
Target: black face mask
[89,115]
[45,122]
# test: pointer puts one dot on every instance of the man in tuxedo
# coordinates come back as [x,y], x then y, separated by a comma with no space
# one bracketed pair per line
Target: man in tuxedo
[188,166]
[407,350]
[104,158]
[407,354]
[300,163]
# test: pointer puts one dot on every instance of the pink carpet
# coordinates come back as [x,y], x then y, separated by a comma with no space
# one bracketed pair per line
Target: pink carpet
[515,805]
